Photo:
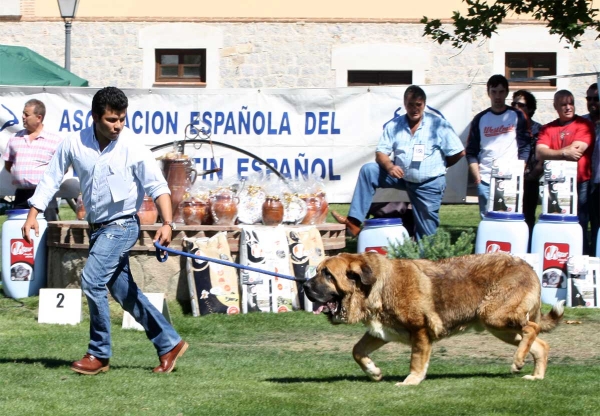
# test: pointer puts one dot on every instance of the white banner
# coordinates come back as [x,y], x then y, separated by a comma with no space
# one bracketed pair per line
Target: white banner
[328,132]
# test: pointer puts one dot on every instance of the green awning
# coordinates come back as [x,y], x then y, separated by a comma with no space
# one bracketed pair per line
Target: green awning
[22,66]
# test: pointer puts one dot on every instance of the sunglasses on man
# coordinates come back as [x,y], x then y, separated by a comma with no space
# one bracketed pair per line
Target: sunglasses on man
[518,104]
[594,99]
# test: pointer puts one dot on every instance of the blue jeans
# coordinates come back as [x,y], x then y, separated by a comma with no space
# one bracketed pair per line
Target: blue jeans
[594,211]
[426,197]
[483,194]
[107,269]
[583,213]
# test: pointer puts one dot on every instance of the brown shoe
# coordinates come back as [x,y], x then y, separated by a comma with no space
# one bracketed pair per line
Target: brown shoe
[167,361]
[90,365]
[351,227]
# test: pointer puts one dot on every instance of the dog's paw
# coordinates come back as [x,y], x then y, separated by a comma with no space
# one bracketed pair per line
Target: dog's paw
[516,368]
[376,377]
[532,377]
[411,380]
[373,372]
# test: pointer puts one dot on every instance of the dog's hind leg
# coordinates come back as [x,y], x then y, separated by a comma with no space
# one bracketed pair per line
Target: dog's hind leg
[367,344]
[523,341]
[539,351]
[528,335]
[419,358]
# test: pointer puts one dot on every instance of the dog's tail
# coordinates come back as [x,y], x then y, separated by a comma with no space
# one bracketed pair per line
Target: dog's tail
[552,318]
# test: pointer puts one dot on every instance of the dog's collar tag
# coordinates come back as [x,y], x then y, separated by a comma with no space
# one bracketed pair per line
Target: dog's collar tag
[311,271]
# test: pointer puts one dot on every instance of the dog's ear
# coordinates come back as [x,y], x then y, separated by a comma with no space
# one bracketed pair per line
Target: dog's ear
[362,270]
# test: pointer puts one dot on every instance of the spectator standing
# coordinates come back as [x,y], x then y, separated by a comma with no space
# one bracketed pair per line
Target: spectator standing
[526,102]
[570,137]
[594,198]
[499,132]
[423,146]
[28,153]
[115,172]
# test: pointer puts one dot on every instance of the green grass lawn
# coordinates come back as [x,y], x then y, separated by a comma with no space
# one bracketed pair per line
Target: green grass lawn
[269,364]
[453,218]
[279,364]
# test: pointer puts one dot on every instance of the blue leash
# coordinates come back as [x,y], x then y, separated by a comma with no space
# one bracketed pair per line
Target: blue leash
[167,250]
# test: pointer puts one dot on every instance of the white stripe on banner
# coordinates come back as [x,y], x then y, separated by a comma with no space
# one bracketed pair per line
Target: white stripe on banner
[329,132]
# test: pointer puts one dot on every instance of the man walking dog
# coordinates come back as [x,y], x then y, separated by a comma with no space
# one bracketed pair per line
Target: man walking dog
[115,172]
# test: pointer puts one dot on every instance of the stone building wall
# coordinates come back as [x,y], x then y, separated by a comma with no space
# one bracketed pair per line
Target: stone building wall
[279,55]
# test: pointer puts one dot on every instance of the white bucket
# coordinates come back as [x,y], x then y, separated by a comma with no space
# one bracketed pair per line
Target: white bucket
[23,264]
[502,232]
[555,239]
[377,233]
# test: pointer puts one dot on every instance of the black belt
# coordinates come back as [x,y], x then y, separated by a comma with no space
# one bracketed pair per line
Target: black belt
[97,225]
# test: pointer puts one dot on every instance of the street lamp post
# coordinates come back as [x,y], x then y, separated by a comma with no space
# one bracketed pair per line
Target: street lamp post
[68,9]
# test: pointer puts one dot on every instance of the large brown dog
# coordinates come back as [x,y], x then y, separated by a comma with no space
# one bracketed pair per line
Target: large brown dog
[417,302]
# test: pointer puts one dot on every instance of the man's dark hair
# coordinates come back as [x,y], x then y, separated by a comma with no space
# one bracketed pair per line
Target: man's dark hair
[39,109]
[496,80]
[109,97]
[530,100]
[594,86]
[415,91]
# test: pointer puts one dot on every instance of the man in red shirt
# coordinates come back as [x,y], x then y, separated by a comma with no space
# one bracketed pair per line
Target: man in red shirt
[570,137]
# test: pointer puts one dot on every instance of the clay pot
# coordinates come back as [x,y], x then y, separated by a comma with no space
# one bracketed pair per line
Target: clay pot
[272,211]
[148,213]
[224,209]
[322,217]
[80,209]
[180,175]
[194,212]
[208,218]
[313,210]
[179,171]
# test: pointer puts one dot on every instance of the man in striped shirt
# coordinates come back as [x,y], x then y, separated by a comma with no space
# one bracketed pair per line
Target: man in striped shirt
[28,153]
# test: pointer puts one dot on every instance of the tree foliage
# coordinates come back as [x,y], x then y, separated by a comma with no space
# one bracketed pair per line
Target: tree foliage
[567,18]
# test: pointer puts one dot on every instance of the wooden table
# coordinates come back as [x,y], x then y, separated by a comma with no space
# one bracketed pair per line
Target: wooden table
[68,243]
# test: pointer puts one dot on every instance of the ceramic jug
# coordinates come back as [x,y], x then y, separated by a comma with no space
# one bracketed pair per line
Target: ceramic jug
[224,209]
[180,175]
[272,211]
[322,217]
[313,210]
[148,212]
[195,212]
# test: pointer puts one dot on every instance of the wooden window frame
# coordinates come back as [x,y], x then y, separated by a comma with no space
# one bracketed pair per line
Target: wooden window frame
[379,76]
[180,79]
[545,84]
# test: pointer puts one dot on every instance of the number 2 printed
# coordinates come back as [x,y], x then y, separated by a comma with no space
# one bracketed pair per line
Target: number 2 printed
[61,298]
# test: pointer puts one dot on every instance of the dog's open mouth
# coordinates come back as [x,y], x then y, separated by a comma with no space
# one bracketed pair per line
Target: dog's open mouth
[332,308]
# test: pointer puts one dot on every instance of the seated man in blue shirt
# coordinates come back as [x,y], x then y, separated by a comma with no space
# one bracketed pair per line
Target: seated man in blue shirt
[423,145]
[115,172]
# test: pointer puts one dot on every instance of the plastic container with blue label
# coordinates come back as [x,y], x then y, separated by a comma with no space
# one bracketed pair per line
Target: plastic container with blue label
[502,232]
[377,233]
[556,238]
